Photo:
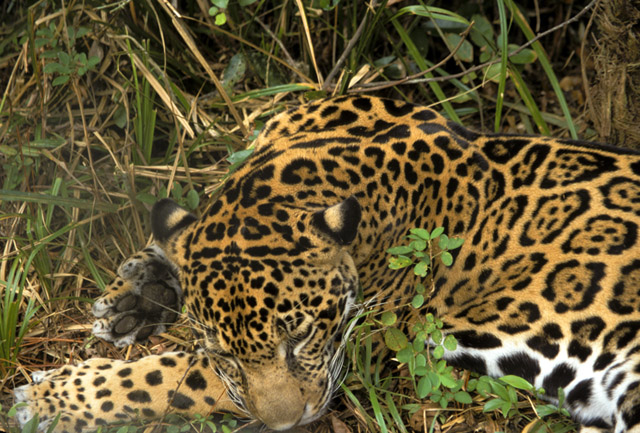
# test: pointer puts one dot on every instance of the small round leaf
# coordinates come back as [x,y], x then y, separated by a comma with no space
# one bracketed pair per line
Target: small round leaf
[395,339]
[447,258]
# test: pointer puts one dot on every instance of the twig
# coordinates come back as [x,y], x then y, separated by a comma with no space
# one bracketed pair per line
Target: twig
[307,34]
[278,41]
[345,53]
[463,37]
[186,37]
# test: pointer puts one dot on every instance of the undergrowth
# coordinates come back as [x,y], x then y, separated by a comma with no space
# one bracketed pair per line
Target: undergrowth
[107,106]
[425,388]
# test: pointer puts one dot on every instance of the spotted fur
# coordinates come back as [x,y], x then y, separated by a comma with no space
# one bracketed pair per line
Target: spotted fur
[546,285]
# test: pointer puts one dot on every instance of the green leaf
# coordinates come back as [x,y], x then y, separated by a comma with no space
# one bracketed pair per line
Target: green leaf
[82,31]
[513,396]
[438,231]
[443,242]
[463,397]
[482,32]
[235,70]
[388,318]
[441,15]
[561,396]
[418,245]
[506,408]
[421,361]
[221,19]
[51,54]
[213,11]
[449,381]
[53,424]
[546,410]
[93,61]
[422,233]
[244,3]
[147,198]
[499,390]
[65,59]
[450,343]
[395,339]
[492,405]
[222,4]
[483,388]
[465,52]
[471,384]
[517,382]
[420,288]
[176,192]
[524,57]
[435,379]
[41,42]
[447,258]
[492,72]
[405,355]
[31,426]
[417,301]
[438,352]
[71,33]
[454,243]
[51,68]
[120,117]
[399,262]
[239,156]
[420,371]
[424,387]
[62,79]
[403,249]
[435,396]
[193,199]
[421,269]
[436,336]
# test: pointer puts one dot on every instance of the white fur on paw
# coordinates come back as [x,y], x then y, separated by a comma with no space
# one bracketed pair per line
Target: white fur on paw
[100,308]
[131,268]
[101,328]
[124,341]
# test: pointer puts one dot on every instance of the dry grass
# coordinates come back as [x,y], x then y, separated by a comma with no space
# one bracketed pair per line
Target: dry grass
[162,107]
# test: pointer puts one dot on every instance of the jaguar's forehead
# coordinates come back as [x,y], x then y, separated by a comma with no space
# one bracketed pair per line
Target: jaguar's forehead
[256,281]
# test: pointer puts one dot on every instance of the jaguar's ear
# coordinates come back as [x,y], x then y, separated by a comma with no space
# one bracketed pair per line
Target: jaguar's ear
[340,222]
[169,219]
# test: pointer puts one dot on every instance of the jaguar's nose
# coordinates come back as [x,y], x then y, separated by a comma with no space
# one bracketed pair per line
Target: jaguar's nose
[280,413]
[275,398]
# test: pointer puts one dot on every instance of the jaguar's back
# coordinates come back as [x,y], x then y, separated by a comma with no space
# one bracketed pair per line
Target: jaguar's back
[545,286]
[547,283]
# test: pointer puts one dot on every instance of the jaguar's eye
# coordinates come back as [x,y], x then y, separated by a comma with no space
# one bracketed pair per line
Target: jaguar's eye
[302,339]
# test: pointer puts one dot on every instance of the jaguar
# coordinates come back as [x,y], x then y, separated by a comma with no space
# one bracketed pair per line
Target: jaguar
[546,285]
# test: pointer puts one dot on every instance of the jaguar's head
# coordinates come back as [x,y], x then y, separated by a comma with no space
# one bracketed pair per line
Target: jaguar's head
[272,286]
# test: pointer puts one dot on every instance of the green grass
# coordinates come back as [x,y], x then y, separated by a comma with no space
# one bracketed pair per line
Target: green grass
[105,107]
